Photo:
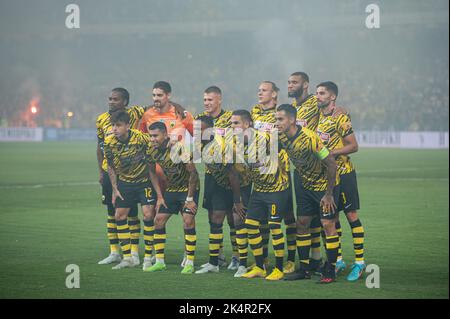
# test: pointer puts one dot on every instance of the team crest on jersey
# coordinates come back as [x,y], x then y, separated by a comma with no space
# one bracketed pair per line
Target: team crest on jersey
[172,124]
[302,122]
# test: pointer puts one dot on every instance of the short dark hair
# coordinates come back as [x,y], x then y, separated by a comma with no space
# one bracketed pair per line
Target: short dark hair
[120,116]
[244,114]
[208,120]
[302,74]
[124,93]
[330,86]
[163,85]
[158,126]
[213,89]
[290,110]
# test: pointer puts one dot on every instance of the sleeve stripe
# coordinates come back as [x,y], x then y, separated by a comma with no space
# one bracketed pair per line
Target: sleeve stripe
[323,153]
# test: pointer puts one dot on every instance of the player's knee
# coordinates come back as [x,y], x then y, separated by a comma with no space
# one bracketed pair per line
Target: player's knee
[149,213]
[149,217]
[303,225]
[329,226]
[159,221]
[189,223]
[230,218]
[352,216]
[119,216]
[217,217]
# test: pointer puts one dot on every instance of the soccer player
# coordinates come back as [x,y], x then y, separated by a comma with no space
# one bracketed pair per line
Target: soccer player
[263,116]
[118,101]
[308,116]
[318,193]
[127,152]
[270,194]
[212,197]
[338,136]
[181,194]
[177,122]
[305,103]
[163,110]
[216,148]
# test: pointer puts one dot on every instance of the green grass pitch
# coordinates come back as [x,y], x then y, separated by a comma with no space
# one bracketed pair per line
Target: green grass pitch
[51,216]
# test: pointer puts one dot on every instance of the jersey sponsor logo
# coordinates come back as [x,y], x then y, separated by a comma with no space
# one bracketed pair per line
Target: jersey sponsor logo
[302,122]
[264,126]
[325,137]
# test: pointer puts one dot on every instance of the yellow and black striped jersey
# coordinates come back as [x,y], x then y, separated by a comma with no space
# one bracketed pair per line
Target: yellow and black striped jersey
[267,174]
[220,153]
[104,127]
[265,120]
[221,123]
[308,112]
[331,131]
[173,157]
[222,120]
[306,151]
[130,158]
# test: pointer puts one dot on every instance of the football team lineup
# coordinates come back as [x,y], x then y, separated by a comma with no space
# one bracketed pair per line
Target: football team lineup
[225,158]
[404,204]
[254,194]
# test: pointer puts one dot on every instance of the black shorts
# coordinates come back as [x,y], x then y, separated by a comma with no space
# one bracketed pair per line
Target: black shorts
[175,202]
[222,199]
[268,206]
[297,184]
[291,198]
[349,197]
[308,202]
[106,189]
[107,196]
[209,187]
[134,193]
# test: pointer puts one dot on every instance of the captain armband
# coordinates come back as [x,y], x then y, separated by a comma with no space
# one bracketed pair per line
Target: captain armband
[323,153]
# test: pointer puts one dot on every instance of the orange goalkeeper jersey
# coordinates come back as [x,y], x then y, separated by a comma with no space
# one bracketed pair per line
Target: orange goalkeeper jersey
[176,126]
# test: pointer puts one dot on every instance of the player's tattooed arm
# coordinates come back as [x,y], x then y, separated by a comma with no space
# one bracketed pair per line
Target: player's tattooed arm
[100,162]
[155,182]
[193,186]
[338,110]
[350,146]
[327,202]
[233,176]
[179,109]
